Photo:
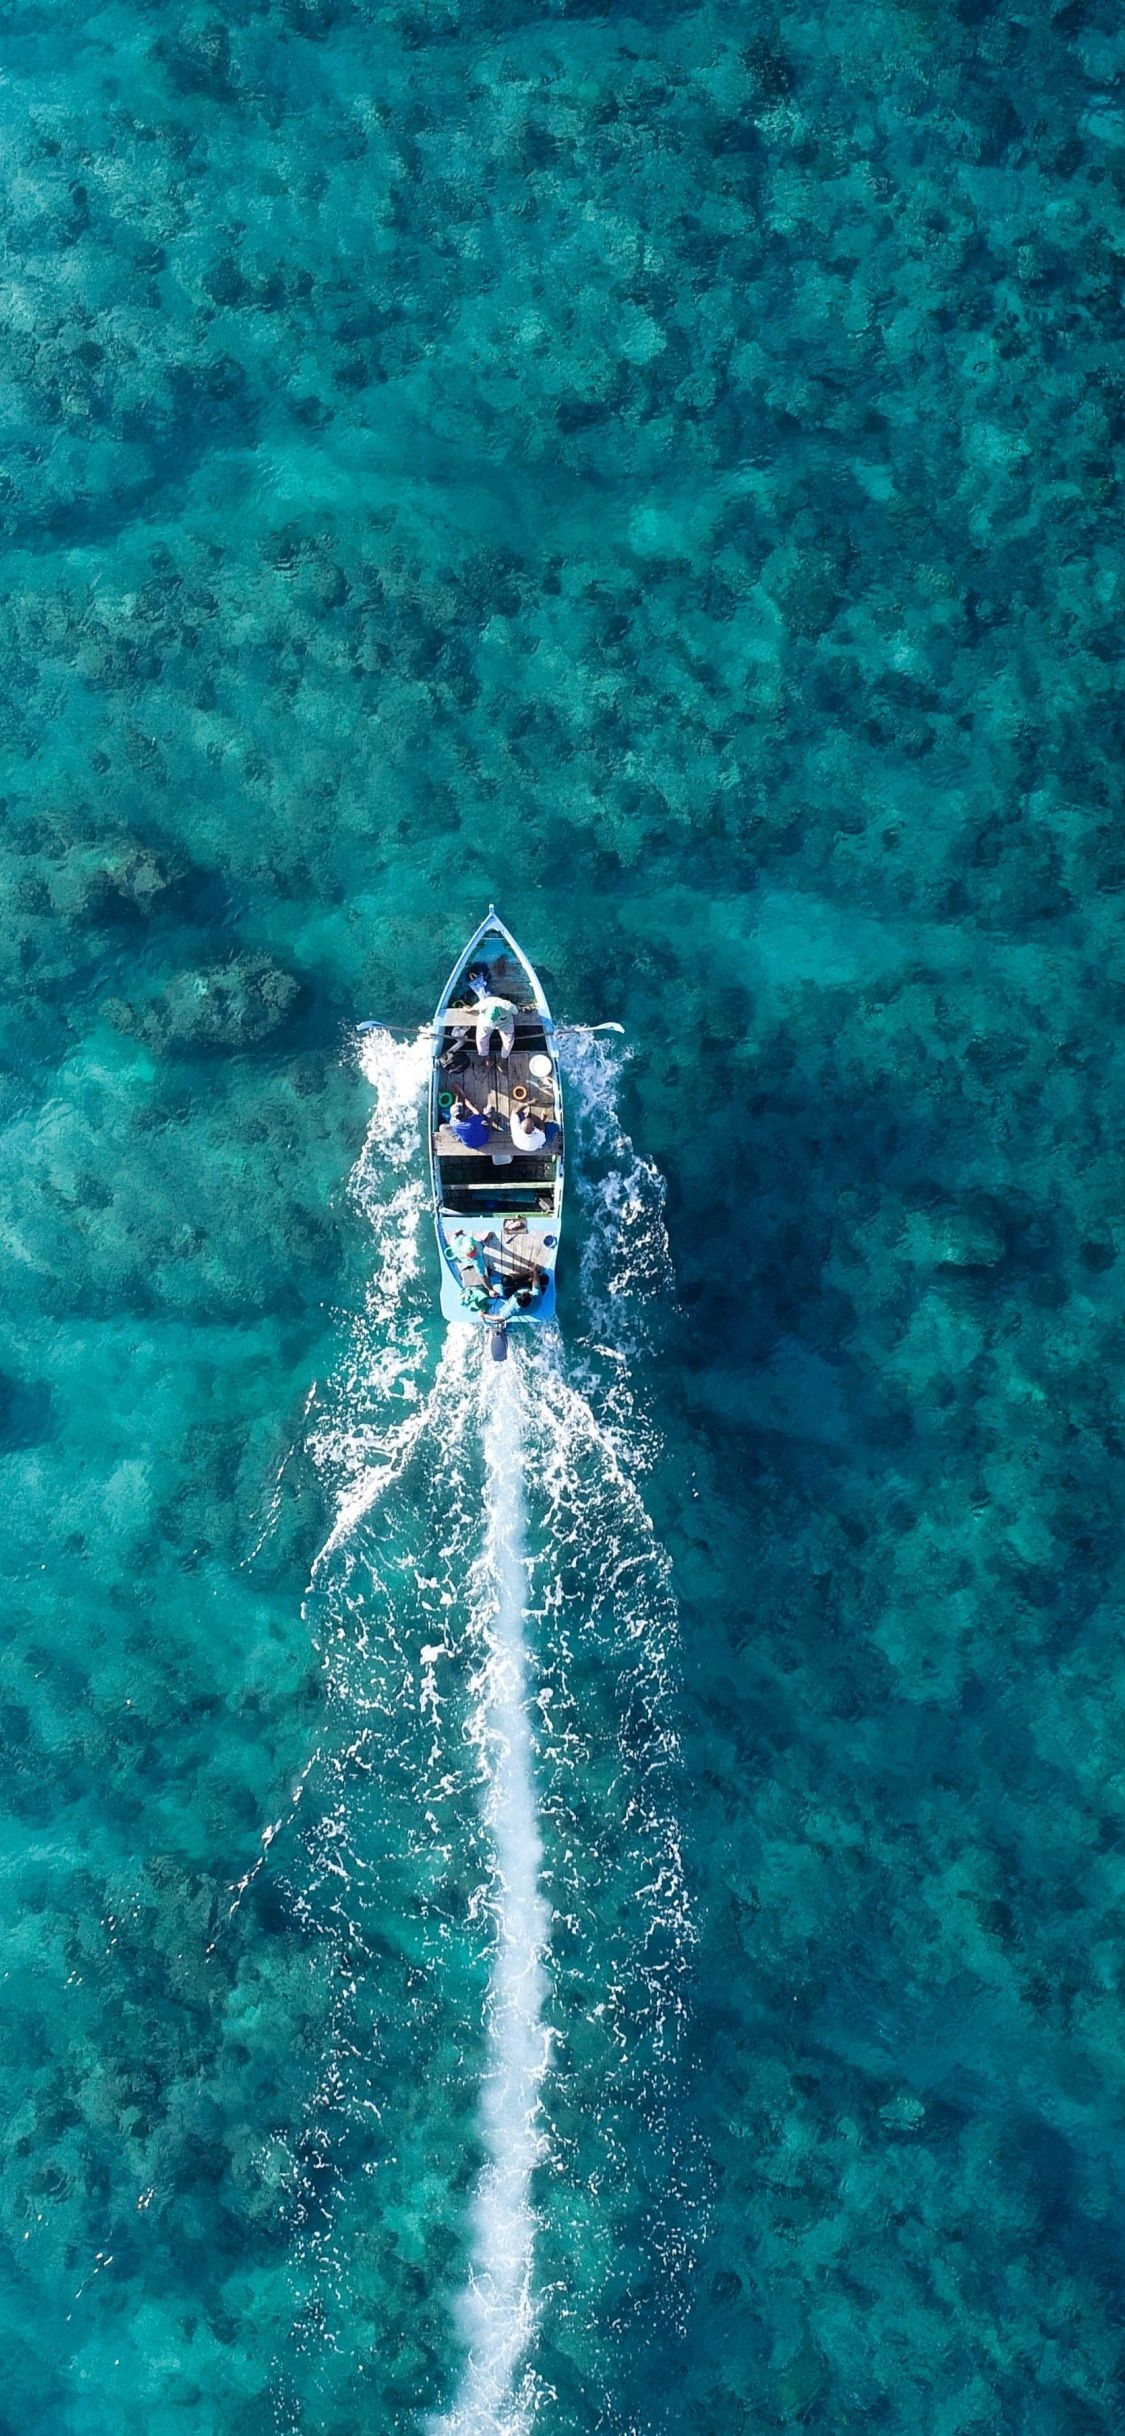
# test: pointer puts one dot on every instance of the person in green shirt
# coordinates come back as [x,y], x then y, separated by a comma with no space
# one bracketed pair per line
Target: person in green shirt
[495,1015]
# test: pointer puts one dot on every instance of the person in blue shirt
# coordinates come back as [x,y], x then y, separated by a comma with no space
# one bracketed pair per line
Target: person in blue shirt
[520,1299]
[470,1126]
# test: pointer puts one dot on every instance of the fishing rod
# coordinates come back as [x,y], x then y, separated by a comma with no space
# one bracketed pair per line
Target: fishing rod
[406,1031]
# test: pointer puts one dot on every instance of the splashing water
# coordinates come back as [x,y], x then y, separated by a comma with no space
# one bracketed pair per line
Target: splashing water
[388,1341]
[529,1881]
[625,1259]
[496,2311]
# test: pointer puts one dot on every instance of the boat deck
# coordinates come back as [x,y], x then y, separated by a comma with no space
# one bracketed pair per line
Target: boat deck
[503,1196]
[487,1085]
[513,1252]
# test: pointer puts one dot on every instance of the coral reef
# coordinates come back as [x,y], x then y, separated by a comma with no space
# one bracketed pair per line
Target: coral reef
[663,473]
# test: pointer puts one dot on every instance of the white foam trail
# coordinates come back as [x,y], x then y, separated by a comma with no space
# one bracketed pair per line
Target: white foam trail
[496,2312]
[379,1456]
[386,1608]
[357,1448]
[597,1523]
[475,1508]
[625,1256]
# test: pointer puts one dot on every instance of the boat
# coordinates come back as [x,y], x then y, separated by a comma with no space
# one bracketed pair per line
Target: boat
[496,1138]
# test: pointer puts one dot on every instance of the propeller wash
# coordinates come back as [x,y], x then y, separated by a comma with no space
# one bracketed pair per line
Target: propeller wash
[489,1876]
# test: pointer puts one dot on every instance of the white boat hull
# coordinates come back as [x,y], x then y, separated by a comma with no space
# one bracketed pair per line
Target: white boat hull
[497,1201]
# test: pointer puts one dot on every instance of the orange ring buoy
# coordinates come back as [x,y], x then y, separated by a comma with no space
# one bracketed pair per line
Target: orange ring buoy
[519,1092]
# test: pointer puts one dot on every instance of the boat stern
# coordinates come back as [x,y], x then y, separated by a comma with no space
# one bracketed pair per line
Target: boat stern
[495,1268]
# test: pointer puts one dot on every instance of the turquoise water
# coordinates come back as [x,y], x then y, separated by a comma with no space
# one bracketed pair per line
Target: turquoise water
[660,473]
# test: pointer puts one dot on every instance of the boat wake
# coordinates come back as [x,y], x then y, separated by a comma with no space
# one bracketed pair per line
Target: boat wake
[363,1444]
[491,1863]
[496,2311]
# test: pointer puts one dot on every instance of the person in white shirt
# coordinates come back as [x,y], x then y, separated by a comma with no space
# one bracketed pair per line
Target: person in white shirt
[526,1134]
[493,1015]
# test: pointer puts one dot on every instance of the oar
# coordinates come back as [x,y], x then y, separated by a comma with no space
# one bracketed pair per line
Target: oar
[565,1028]
[410,1031]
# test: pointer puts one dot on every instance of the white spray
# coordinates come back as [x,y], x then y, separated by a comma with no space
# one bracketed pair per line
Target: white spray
[537,1430]
[379,1413]
[496,2310]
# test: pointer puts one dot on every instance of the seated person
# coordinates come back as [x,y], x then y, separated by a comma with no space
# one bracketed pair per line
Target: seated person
[508,1308]
[471,1259]
[470,1126]
[458,1057]
[526,1133]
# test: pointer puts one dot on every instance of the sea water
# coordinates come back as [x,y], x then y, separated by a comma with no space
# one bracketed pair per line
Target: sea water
[591,1895]
[495,1807]
[496,2310]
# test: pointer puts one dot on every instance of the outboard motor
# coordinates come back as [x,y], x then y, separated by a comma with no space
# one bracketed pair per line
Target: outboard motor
[499,1344]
